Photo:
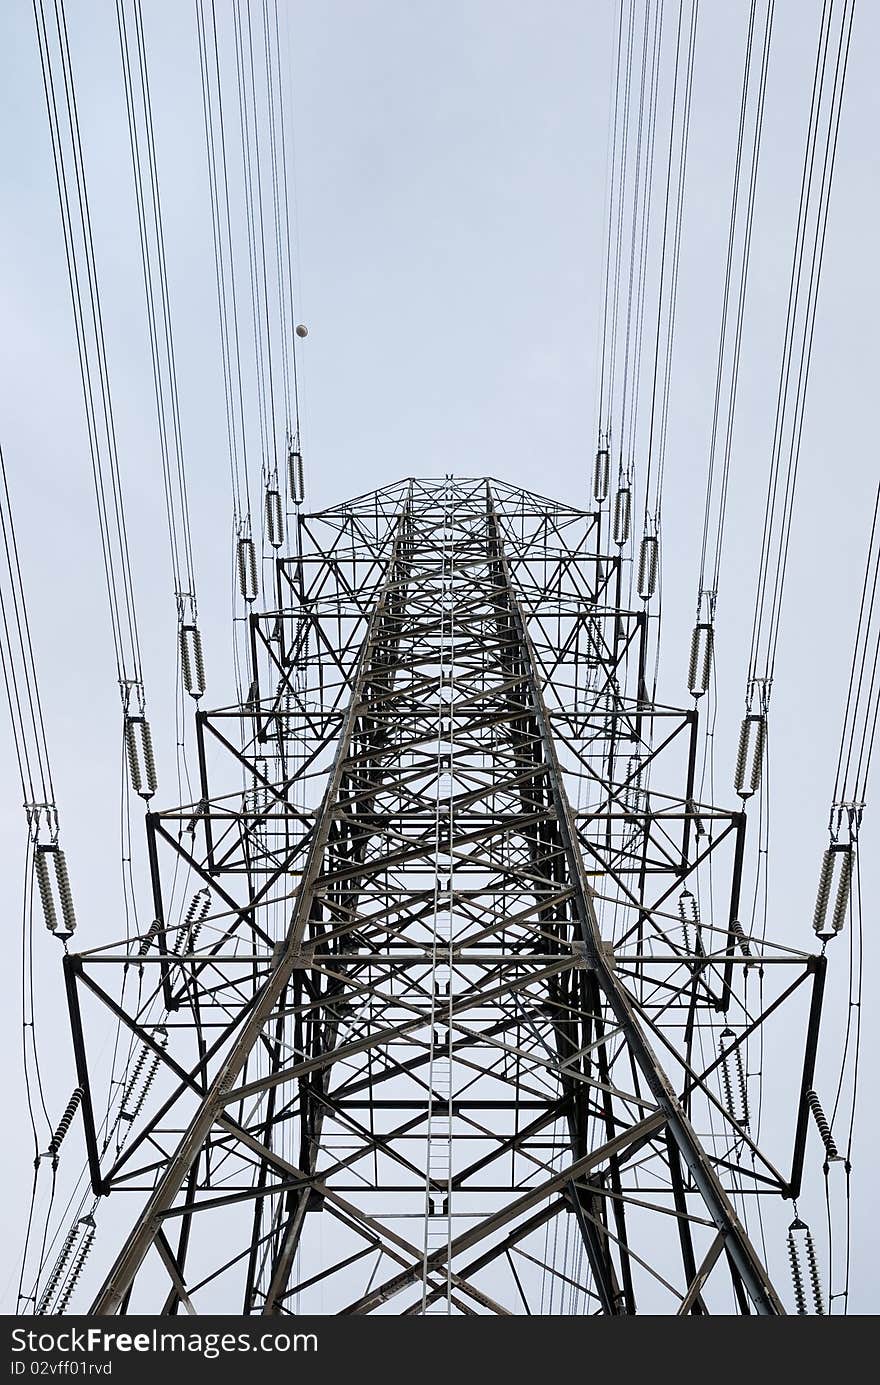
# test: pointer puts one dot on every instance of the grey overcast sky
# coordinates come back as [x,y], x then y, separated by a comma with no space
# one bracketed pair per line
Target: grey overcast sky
[450,173]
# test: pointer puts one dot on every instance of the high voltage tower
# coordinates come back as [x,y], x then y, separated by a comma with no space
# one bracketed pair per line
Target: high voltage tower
[457,996]
[441,992]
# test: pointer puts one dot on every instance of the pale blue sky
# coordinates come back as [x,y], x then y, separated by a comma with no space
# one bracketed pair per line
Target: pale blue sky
[450,165]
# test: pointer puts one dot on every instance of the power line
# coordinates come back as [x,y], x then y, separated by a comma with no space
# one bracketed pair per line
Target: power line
[19,673]
[667,295]
[151,233]
[59,90]
[734,300]
[224,262]
[814,202]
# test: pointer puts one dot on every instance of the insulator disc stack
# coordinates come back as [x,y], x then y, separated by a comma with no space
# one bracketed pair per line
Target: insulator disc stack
[141,761]
[274,518]
[743,1088]
[198,908]
[622,515]
[601,475]
[594,650]
[750,755]
[822,1125]
[801,1247]
[797,1277]
[64,1124]
[736,929]
[634,794]
[295,476]
[57,1271]
[301,643]
[702,650]
[192,661]
[260,793]
[725,1039]
[835,881]
[247,569]
[649,555]
[287,713]
[142,1077]
[689,911]
[53,883]
[194,917]
[189,939]
[87,1226]
[729,1049]
[143,1054]
[148,1080]
[815,1281]
[149,938]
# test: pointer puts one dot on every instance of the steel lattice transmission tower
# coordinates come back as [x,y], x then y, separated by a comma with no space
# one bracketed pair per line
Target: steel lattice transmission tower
[439,998]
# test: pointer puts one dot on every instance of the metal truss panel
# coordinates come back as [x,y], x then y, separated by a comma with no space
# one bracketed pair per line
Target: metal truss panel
[441,999]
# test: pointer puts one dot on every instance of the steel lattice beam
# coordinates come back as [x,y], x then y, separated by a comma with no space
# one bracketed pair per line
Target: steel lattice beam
[440,1000]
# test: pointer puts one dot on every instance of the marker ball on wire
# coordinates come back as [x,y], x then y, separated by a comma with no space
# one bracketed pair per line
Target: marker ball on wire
[302,330]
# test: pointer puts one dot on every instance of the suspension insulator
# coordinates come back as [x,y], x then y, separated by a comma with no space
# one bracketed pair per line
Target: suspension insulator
[742,1086]
[649,554]
[822,1125]
[690,917]
[148,1082]
[601,475]
[57,1270]
[192,937]
[301,642]
[133,1100]
[727,1048]
[192,662]
[815,1281]
[247,569]
[595,647]
[634,796]
[702,651]
[132,1081]
[835,878]
[288,719]
[147,940]
[193,919]
[198,908]
[799,1231]
[260,797]
[76,1269]
[64,1124]
[295,476]
[693,810]
[622,515]
[736,929]
[724,1039]
[53,883]
[141,761]
[750,756]
[797,1278]
[274,518]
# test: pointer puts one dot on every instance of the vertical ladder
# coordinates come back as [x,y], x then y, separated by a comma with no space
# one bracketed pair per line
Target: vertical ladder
[438,1170]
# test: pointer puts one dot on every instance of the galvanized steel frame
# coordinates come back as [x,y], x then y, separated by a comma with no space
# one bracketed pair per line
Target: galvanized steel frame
[572,1026]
